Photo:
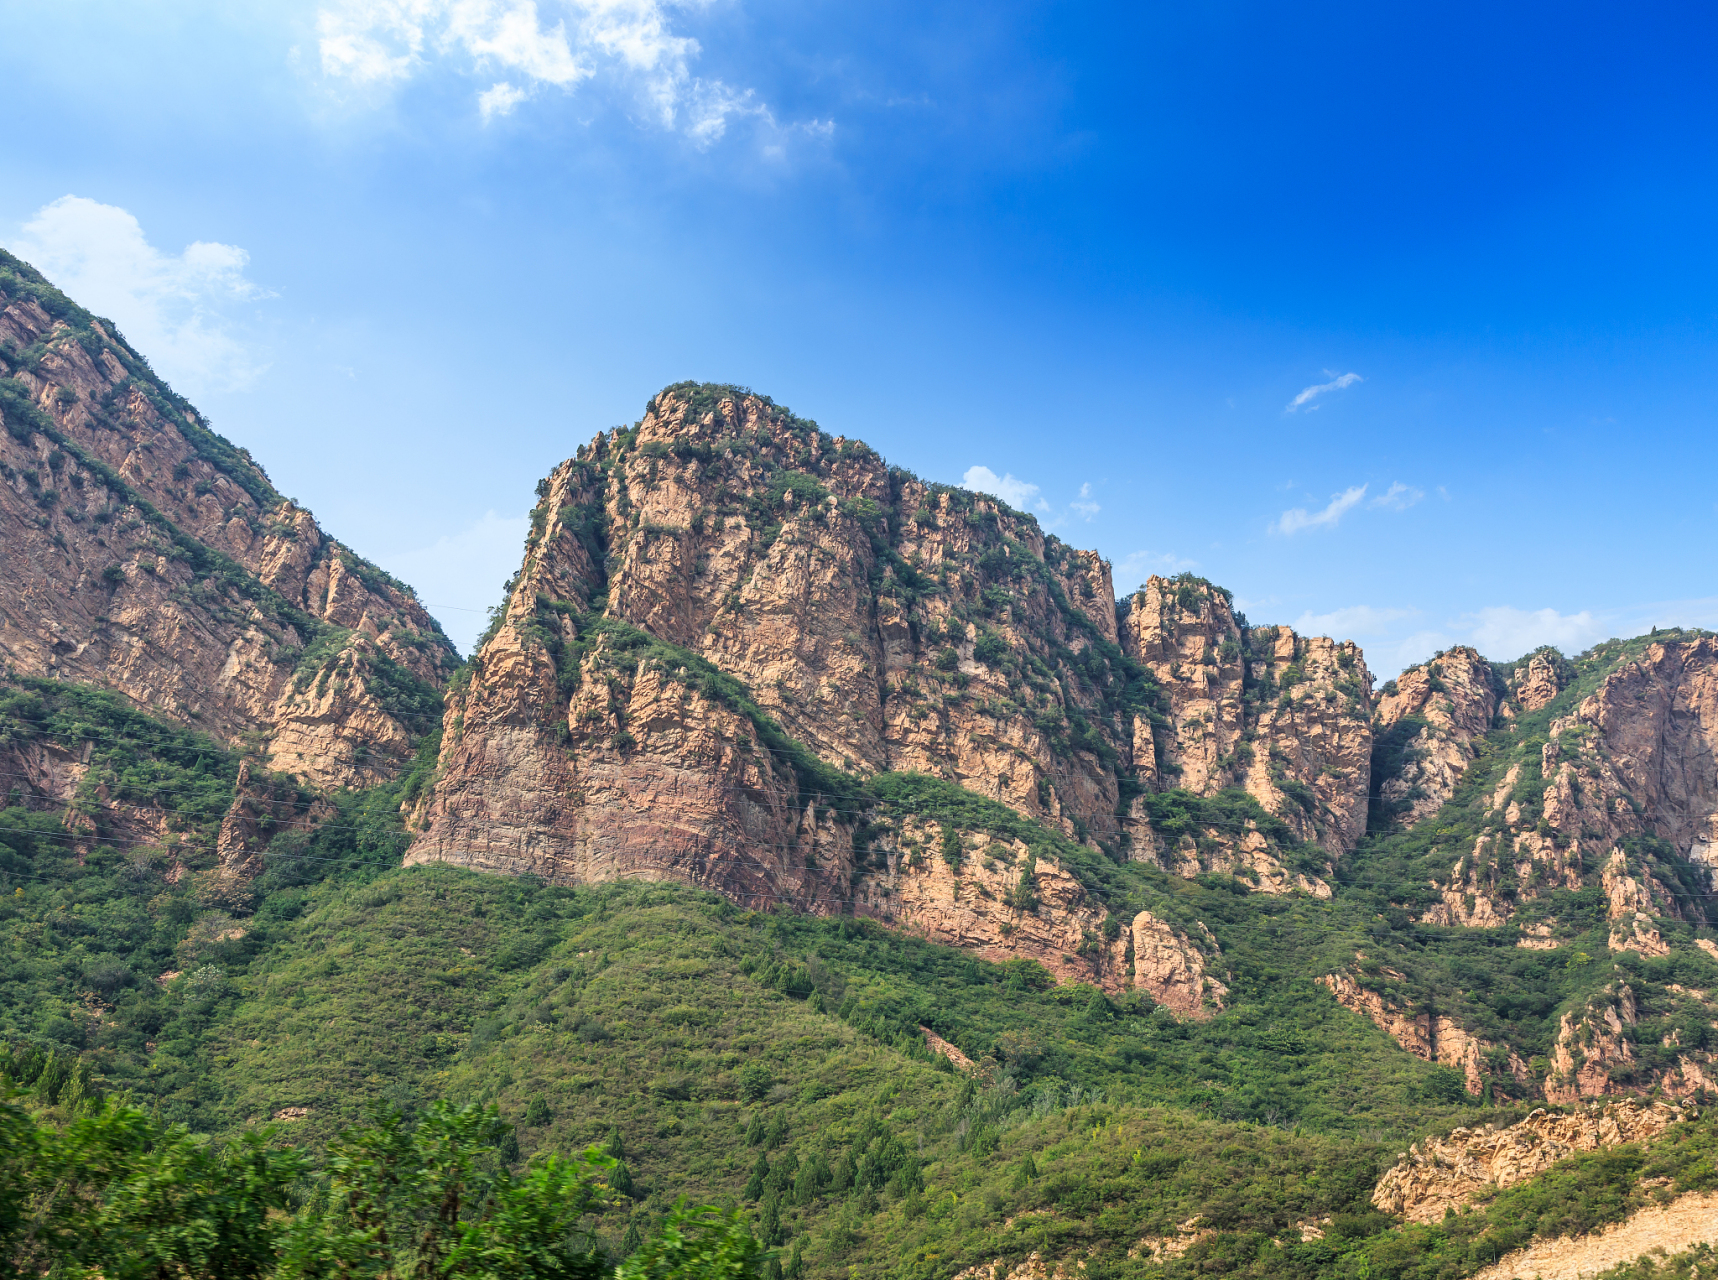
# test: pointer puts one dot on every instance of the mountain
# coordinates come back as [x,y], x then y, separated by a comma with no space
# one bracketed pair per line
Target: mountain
[744,655]
[838,844]
[148,556]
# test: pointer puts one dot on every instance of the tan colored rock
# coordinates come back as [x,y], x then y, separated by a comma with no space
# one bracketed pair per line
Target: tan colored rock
[936,1044]
[1281,716]
[1638,935]
[1436,1174]
[1634,758]
[885,624]
[1168,965]
[1590,1044]
[135,563]
[1437,1039]
[1687,1221]
[1538,683]
[1456,696]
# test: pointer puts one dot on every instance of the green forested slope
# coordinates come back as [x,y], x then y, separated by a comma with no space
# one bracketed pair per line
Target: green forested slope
[777,1060]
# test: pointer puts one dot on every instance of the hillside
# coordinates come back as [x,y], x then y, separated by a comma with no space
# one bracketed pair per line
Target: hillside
[838,844]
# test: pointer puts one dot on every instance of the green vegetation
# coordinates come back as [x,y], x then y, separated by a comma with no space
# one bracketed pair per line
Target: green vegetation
[438,1194]
[774,1062]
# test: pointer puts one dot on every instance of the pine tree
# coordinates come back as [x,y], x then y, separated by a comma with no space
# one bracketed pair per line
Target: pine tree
[633,1241]
[755,1130]
[770,1229]
[760,1175]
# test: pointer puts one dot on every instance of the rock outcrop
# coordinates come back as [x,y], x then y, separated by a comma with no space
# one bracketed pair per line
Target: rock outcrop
[1428,719]
[146,555]
[1622,792]
[1649,1233]
[1538,681]
[1283,717]
[1432,1038]
[1436,1174]
[1639,758]
[1171,967]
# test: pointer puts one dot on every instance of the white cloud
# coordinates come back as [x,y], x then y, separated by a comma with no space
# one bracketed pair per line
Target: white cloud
[1141,564]
[1346,624]
[459,576]
[1398,497]
[1503,633]
[383,43]
[1084,505]
[499,100]
[1309,394]
[1298,518]
[1016,493]
[174,308]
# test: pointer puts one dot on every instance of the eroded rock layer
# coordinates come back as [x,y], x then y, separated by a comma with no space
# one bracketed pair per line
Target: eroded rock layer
[726,621]
[1437,1174]
[146,555]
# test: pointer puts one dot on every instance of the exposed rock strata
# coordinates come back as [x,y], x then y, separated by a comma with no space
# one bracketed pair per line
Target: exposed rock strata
[1172,967]
[1627,783]
[1658,1230]
[886,625]
[148,556]
[1436,1174]
[1437,710]
[1440,1039]
[1281,716]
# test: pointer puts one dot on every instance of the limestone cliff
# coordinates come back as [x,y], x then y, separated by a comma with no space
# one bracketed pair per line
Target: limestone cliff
[726,621]
[146,555]
[1620,792]
[1432,1037]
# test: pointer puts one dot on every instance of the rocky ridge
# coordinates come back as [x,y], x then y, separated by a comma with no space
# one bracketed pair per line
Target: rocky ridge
[1430,1037]
[148,556]
[726,621]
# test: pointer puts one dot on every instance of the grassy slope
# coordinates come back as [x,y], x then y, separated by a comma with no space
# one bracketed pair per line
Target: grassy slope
[637,1007]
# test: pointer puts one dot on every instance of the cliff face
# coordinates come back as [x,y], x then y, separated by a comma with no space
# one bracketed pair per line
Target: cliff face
[1432,1038]
[726,620]
[146,555]
[1620,792]
[1282,717]
[1432,715]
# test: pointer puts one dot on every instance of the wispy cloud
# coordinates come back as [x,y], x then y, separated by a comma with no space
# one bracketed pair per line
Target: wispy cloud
[380,44]
[1137,566]
[1357,620]
[175,308]
[459,575]
[1398,497]
[1083,505]
[499,100]
[1338,382]
[1296,519]
[1505,632]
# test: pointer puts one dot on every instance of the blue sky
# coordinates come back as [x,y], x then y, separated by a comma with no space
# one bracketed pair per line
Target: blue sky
[1399,324]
